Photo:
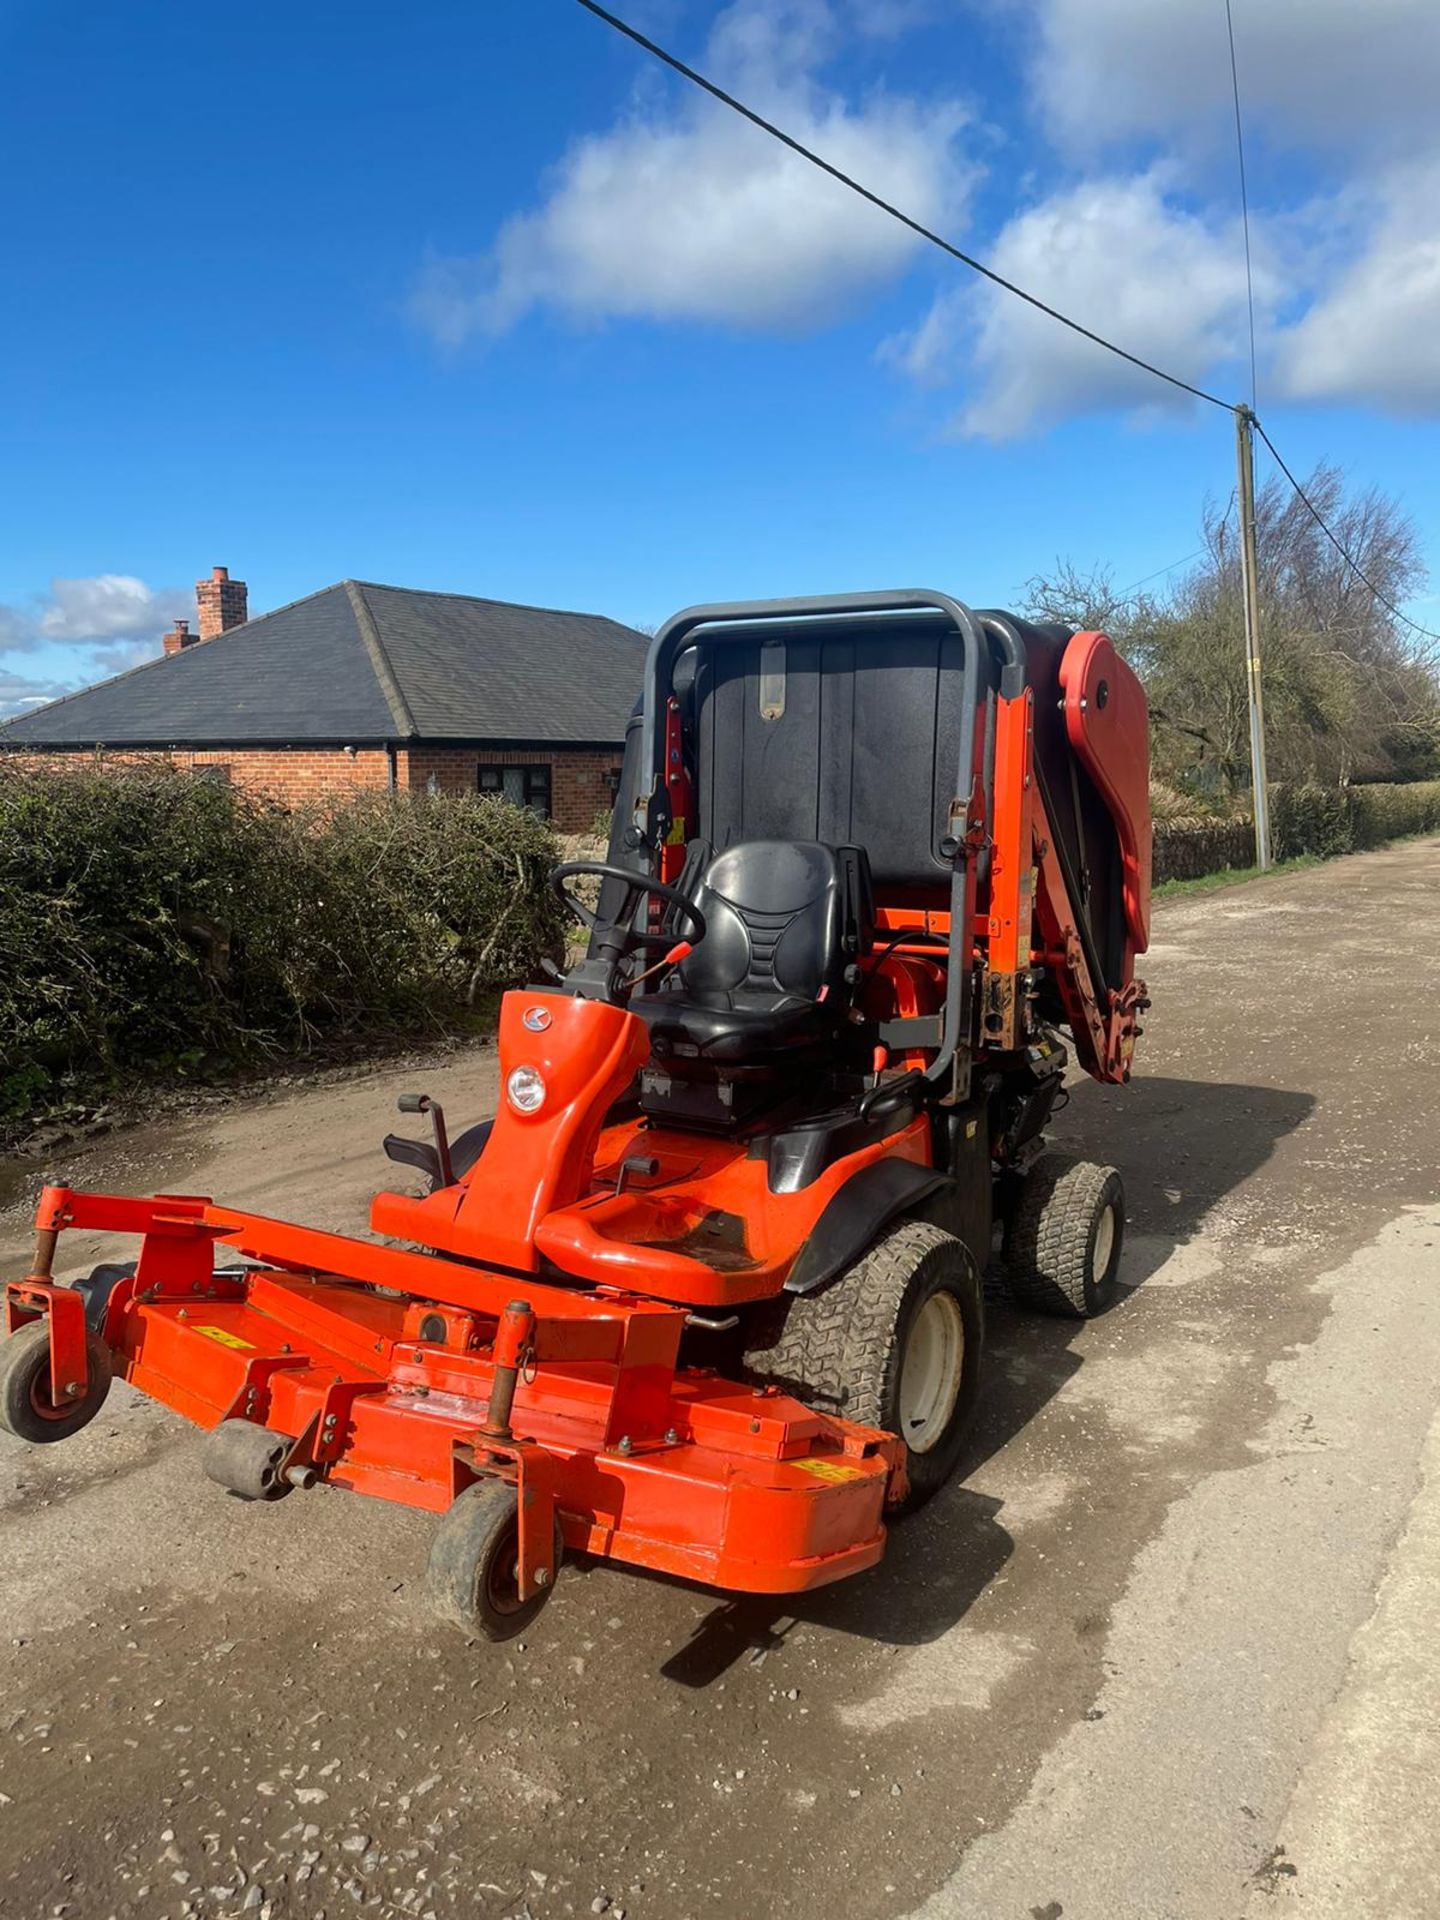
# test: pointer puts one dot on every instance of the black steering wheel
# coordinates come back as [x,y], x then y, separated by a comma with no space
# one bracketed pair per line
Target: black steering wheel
[618,933]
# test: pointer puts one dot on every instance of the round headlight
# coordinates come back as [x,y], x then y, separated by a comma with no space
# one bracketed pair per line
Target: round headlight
[525,1090]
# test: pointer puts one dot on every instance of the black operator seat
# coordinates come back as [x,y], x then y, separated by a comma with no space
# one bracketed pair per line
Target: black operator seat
[766,988]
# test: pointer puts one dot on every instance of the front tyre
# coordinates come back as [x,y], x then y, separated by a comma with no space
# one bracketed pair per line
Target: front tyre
[894,1343]
[28,1408]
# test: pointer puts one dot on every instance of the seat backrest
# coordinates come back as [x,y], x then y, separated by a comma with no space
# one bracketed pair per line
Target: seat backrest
[783,919]
[861,749]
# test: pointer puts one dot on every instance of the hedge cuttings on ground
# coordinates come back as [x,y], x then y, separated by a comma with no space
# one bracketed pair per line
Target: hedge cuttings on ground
[152,923]
[1190,851]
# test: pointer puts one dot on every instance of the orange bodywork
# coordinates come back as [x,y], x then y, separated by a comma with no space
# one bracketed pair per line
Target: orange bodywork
[529,1327]
[549,1186]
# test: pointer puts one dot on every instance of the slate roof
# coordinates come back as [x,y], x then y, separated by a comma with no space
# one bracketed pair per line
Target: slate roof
[359,664]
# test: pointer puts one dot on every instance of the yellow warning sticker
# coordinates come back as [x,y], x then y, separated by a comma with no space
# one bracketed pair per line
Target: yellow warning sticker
[831,1470]
[225,1337]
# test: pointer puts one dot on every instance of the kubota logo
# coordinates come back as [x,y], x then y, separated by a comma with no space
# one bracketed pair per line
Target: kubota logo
[537,1019]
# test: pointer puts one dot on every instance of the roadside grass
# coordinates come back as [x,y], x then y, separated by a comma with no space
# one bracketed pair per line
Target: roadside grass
[1234,877]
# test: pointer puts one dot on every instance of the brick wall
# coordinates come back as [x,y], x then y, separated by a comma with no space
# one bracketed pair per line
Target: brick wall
[580,785]
[293,778]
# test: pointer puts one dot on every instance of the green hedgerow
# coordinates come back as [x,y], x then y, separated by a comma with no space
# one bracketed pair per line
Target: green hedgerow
[152,922]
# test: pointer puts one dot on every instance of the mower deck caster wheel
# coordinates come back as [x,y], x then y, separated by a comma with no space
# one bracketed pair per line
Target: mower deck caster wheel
[472,1579]
[1063,1240]
[28,1409]
[248,1460]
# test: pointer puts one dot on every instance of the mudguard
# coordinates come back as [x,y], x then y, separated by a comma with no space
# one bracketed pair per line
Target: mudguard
[865,1204]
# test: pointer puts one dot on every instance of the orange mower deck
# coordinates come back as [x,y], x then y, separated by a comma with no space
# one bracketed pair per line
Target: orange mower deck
[573,1397]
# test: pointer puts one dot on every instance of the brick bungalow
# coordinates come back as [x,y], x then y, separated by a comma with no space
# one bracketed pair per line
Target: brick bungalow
[366,687]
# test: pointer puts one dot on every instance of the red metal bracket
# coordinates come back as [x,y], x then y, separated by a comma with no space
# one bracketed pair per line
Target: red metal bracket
[35,1299]
[533,1473]
[324,1440]
[259,1372]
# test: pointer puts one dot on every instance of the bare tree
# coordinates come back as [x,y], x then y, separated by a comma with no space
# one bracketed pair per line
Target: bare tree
[1348,693]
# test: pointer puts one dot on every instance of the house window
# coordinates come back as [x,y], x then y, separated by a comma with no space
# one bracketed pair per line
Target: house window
[521,786]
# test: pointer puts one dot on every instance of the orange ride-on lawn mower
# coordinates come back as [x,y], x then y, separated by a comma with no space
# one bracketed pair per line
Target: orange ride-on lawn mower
[704,1296]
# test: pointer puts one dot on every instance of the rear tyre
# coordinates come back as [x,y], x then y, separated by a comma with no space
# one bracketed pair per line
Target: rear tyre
[893,1343]
[1063,1242]
[248,1460]
[28,1408]
[472,1579]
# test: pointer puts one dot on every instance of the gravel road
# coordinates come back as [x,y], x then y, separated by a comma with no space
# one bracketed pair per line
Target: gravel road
[1115,1670]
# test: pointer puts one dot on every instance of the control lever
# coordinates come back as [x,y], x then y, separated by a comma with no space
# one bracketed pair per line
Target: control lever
[681,950]
[422,1103]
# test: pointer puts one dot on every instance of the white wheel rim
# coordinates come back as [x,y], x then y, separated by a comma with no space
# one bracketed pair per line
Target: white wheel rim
[930,1372]
[1104,1244]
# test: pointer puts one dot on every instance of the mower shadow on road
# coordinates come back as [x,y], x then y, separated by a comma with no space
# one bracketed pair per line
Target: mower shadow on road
[1181,1145]
[936,1566]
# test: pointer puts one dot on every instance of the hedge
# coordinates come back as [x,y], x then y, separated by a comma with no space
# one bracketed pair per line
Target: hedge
[152,923]
[1304,820]
[1331,820]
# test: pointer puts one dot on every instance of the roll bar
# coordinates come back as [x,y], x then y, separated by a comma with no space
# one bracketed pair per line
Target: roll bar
[738,620]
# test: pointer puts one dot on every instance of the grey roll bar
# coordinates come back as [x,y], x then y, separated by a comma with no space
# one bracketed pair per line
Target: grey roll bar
[669,642]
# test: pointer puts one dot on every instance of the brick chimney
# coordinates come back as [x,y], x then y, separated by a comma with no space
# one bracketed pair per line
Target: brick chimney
[180,637]
[222,603]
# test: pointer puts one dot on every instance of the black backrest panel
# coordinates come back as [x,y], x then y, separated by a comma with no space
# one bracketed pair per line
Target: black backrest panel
[865,752]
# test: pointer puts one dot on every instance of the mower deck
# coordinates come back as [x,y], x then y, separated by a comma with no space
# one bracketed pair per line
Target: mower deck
[404,1396]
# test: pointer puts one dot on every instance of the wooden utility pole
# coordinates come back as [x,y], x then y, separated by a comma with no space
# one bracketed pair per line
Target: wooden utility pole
[1250,578]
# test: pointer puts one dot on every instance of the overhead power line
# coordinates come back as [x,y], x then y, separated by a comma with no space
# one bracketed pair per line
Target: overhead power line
[717,92]
[1244,201]
[1145,579]
[847,180]
[1344,553]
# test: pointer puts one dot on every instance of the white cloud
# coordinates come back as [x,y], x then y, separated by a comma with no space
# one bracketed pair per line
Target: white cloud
[1359,262]
[109,606]
[1374,336]
[91,612]
[683,212]
[690,213]
[1342,76]
[20,692]
[1121,258]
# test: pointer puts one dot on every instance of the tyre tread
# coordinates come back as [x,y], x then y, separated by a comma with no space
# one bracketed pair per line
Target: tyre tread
[1047,1247]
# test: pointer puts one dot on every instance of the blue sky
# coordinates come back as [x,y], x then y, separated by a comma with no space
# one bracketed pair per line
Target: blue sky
[470,296]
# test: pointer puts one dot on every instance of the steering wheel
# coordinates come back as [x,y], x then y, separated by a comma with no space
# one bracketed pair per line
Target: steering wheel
[622,937]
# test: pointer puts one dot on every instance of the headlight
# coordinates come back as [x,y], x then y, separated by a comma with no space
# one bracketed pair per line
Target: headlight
[525,1090]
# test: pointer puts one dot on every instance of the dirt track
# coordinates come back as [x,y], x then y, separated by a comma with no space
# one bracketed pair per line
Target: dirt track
[1084,1682]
